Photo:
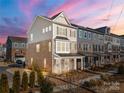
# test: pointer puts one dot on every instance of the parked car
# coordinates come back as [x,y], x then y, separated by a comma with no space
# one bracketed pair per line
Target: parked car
[19,63]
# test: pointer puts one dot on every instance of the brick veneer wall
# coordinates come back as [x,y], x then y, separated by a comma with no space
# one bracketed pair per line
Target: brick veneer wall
[38,57]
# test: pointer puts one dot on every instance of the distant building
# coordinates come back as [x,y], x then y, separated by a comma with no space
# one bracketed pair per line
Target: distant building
[122,48]
[90,44]
[2,51]
[111,45]
[15,48]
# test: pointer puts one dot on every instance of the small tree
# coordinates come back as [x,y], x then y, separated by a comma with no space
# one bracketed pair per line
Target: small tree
[24,81]
[121,69]
[46,86]
[11,90]
[39,78]
[16,82]
[32,79]
[4,84]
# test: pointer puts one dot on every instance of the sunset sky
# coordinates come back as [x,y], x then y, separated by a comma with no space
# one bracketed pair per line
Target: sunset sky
[17,15]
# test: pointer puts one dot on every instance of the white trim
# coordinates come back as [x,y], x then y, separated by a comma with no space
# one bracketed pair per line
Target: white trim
[64,16]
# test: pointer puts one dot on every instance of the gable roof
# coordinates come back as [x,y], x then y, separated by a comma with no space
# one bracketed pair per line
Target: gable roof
[17,39]
[57,15]
[53,17]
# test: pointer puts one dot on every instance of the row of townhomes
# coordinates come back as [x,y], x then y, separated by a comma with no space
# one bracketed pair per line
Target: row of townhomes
[57,45]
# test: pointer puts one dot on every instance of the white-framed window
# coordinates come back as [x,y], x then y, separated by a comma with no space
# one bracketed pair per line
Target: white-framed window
[50,28]
[49,46]
[89,35]
[72,33]
[37,48]
[32,60]
[44,62]
[85,35]
[80,33]
[62,47]
[31,37]
[16,45]
[73,46]
[46,29]
[61,31]
[43,30]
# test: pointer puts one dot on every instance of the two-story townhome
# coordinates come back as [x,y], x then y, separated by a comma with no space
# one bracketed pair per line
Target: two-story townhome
[16,48]
[111,44]
[52,44]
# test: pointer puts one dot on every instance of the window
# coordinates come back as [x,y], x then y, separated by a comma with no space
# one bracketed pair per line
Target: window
[58,46]
[31,60]
[85,35]
[37,47]
[43,30]
[31,37]
[46,29]
[49,46]
[80,33]
[89,35]
[62,47]
[61,31]
[50,28]
[16,45]
[44,62]
[73,46]
[72,33]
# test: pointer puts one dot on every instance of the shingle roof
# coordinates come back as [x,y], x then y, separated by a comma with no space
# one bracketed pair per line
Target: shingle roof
[55,15]
[17,39]
[102,29]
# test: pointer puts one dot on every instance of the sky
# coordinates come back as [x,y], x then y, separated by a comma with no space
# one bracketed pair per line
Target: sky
[16,15]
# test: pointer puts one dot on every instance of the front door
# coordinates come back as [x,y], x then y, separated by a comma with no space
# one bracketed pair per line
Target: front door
[78,64]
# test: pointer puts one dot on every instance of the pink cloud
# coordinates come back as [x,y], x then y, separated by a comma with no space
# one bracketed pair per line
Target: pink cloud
[102,18]
[88,9]
[67,6]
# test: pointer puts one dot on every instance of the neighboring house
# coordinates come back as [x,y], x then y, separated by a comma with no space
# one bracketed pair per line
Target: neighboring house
[111,45]
[2,51]
[90,44]
[52,44]
[122,48]
[16,48]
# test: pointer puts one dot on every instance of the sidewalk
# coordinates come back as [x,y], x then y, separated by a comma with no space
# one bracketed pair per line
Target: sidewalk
[3,64]
[21,70]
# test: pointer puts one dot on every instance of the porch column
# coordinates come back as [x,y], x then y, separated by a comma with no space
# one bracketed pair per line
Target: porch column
[82,64]
[75,64]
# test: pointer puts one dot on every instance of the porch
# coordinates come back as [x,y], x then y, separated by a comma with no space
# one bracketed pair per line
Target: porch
[63,64]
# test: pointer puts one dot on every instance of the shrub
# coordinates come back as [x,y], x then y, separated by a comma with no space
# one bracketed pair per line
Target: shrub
[16,82]
[32,79]
[4,84]
[24,81]
[46,86]
[39,77]
[86,84]
[105,77]
[92,82]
